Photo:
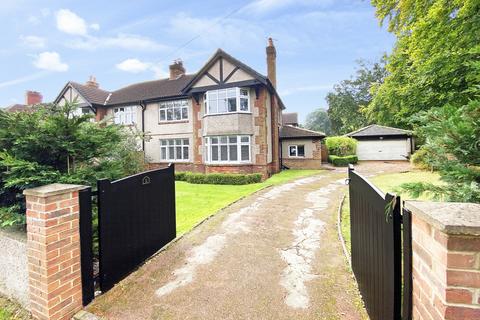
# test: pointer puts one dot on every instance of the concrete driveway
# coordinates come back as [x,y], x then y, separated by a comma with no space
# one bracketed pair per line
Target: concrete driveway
[273,255]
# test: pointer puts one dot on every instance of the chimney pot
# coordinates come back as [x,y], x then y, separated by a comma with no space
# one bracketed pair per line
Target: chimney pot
[272,62]
[33,97]
[92,82]
[177,69]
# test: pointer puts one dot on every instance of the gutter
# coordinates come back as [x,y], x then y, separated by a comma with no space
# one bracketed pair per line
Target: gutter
[144,107]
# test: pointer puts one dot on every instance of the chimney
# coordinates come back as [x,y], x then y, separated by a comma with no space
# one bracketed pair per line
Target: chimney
[272,63]
[176,69]
[33,97]
[92,82]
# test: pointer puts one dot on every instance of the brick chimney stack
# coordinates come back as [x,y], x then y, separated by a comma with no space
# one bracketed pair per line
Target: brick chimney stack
[176,69]
[272,63]
[33,97]
[92,82]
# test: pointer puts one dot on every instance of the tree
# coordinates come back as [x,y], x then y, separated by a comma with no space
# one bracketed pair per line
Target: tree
[52,144]
[432,63]
[318,120]
[349,97]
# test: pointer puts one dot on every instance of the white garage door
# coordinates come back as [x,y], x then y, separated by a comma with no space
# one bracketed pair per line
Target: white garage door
[382,149]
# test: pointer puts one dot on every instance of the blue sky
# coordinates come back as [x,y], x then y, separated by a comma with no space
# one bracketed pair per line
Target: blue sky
[47,43]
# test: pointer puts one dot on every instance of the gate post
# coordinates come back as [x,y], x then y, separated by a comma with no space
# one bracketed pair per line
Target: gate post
[53,250]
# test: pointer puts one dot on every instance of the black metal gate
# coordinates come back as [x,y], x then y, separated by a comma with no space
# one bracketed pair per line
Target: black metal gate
[136,217]
[376,242]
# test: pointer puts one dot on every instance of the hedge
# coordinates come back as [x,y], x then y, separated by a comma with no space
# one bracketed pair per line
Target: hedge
[342,161]
[218,178]
[341,146]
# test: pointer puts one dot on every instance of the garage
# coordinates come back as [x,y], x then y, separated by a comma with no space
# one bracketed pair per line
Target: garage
[377,142]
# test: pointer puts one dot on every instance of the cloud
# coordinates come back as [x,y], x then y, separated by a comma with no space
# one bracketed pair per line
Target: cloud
[95,26]
[33,41]
[290,91]
[264,6]
[123,41]
[50,61]
[133,65]
[69,22]
[28,78]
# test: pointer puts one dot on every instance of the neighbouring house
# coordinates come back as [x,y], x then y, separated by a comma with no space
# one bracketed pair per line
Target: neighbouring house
[32,98]
[224,118]
[301,148]
[377,142]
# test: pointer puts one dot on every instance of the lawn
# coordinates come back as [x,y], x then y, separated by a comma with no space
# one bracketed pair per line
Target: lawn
[196,202]
[389,183]
[12,311]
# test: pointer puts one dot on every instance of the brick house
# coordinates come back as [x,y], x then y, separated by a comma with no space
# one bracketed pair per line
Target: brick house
[226,117]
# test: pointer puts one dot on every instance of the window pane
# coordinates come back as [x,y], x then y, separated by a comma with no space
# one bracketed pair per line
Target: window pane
[162,105]
[163,115]
[185,142]
[244,92]
[185,153]
[245,153]
[243,104]
[232,104]
[214,140]
[212,106]
[171,153]
[223,153]
[169,114]
[223,139]
[245,139]
[222,105]
[292,150]
[222,94]
[178,153]
[301,151]
[171,142]
[232,139]
[163,142]
[185,113]
[163,153]
[233,152]
[214,153]
[212,95]
[178,141]
[178,114]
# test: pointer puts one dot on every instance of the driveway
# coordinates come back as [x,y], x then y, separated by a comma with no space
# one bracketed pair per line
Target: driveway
[273,255]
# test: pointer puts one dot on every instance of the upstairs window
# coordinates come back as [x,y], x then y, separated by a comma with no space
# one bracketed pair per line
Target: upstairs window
[296,151]
[174,149]
[125,115]
[173,110]
[227,100]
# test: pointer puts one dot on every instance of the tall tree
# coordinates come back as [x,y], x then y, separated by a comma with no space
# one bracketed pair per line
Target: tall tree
[349,97]
[319,120]
[432,61]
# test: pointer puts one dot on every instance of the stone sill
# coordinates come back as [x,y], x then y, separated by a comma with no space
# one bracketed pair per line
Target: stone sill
[453,218]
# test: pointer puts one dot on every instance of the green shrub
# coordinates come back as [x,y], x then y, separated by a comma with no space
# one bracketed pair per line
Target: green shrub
[342,161]
[218,178]
[420,159]
[341,146]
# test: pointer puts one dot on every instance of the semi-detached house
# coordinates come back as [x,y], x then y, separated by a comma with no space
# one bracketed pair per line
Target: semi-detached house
[226,117]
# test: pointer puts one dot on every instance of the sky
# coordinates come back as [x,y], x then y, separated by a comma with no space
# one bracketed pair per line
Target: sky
[48,43]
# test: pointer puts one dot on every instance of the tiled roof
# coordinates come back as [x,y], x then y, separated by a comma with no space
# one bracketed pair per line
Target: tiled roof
[377,130]
[290,118]
[20,108]
[92,94]
[296,132]
[150,90]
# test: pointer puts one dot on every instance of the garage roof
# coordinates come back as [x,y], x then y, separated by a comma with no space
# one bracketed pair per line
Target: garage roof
[291,132]
[375,130]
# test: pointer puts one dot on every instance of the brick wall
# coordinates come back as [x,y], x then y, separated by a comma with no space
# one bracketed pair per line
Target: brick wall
[446,262]
[53,250]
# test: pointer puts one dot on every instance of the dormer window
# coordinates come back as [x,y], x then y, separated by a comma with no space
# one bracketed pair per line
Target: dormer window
[227,101]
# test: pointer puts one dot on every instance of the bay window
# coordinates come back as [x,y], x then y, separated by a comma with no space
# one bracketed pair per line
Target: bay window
[227,100]
[124,115]
[227,149]
[174,149]
[173,110]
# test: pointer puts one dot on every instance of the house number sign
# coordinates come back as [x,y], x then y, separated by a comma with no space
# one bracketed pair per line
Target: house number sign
[146,180]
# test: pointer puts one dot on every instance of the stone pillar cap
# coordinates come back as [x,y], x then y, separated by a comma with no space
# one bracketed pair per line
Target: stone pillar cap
[454,218]
[53,189]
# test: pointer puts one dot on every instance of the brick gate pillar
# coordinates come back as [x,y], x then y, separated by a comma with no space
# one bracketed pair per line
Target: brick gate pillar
[446,260]
[53,250]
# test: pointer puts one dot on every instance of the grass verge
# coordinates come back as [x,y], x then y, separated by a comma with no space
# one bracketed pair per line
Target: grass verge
[10,310]
[196,202]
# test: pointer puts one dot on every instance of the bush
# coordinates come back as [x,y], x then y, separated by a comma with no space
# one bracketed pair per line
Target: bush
[342,161]
[420,159]
[218,178]
[341,146]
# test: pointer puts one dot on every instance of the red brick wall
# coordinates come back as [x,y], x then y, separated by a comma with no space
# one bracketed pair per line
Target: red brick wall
[446,274]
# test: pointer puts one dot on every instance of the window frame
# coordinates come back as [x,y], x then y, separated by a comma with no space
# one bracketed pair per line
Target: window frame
[296,150]
[120,117]
[167,147]
[238,98]
[239,144]
[170,105]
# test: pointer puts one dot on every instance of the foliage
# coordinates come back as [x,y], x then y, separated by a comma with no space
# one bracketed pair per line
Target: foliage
[341,146]
[420,159]
[349,97]
[453,140]
[319,120]
[435,60]
[339,161]
[218,178]
[54,144]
